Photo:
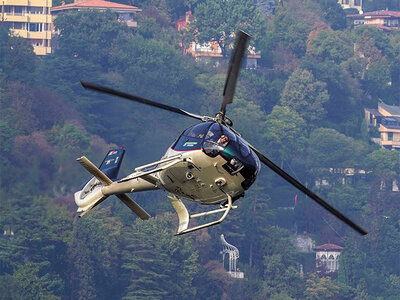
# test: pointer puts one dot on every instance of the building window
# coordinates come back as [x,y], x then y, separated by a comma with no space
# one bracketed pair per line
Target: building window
[124,17]
[17,10]
[35,10]
[357,2]
[35,27]
[393,23]
[18,25]
[323,260]
[390,136]
[331,263]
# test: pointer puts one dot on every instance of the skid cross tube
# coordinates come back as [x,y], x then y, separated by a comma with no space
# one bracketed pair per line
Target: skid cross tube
[184,216]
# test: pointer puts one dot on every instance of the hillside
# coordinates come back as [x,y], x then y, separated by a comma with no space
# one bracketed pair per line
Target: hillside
[303,107]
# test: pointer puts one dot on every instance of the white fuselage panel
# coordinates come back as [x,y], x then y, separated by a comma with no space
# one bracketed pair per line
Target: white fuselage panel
[200,178]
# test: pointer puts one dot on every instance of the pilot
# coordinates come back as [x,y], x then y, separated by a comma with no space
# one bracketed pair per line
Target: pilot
[223,140]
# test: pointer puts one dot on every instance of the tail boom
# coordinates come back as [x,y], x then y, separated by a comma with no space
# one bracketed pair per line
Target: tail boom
[97,189]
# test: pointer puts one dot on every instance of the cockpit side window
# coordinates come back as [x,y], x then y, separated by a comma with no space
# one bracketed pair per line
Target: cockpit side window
[217,139]
[243,147]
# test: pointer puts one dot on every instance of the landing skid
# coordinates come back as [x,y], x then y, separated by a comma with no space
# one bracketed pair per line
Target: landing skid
[184,216]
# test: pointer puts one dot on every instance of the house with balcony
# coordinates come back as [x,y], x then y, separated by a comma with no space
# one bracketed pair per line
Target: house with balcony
[125,13]
[210,52]
[29,19]
[383,19]
[387,120]
[357,4]
[327,257]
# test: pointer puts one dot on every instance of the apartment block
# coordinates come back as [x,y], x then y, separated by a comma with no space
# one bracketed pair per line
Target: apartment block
[29,19]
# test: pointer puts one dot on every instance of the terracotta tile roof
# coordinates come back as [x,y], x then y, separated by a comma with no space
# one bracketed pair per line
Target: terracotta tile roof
[331,247]
[95,4]
[378,13]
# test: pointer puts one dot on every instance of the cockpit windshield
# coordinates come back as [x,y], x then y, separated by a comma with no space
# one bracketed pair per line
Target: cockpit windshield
[192,138]
[197,131]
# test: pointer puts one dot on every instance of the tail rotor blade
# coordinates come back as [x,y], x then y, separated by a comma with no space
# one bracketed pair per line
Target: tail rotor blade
[234,68]
[307,191]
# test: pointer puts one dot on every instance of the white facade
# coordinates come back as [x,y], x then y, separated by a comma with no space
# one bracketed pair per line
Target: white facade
[327,257]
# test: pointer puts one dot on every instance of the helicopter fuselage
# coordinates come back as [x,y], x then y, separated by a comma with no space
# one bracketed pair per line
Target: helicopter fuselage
[215,162]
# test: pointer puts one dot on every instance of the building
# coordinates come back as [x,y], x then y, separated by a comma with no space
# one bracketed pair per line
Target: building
[30,19]
[327,176]
[387,120]
[126,13]
[210,52]
[382,19]
[357,4]
[327,257]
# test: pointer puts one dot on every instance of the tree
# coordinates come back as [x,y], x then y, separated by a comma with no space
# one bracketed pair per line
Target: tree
[376,54]
[218,21]
[305,95]
[330,149]
[88,34]
[262,88]
[248,118]
[32,284]
[350,198]
[279,265]
[82,267]
[293,22]
[157,264]
[321,288]
[94,255]
[345,95]
[213,282]
[17,59]
[333,14]
[281,296]
[286,134]
[331,45]
[384,163]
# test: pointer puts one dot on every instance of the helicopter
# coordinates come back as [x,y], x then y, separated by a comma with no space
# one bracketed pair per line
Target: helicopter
[209,163]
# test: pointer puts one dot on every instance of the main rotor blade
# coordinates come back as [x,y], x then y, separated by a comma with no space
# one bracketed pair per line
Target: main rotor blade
[234,68]
[106,90]
[306,191]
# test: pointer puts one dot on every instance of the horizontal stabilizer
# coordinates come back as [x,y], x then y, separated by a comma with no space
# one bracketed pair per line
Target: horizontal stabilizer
[92,169]
[134,206]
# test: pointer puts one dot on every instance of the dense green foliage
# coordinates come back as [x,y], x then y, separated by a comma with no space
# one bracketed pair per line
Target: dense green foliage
[303,108]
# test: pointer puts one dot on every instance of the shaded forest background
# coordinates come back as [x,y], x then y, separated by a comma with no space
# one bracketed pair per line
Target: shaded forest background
[303,108]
